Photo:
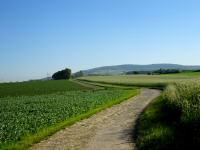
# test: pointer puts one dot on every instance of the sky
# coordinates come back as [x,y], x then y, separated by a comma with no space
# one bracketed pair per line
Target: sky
[40,37]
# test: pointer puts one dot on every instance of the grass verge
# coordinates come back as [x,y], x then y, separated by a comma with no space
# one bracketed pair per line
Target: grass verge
[171,121]
[30,139]
[152,130]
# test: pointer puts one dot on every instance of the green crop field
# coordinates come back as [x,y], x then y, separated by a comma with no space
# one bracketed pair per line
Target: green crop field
[38,87]
[144,80]
[29,108]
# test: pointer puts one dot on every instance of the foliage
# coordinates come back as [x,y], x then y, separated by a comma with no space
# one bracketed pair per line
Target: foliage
[173,121]
[184,101]
[166,71]
[138,72]
[196,70]
[63,74]
[38,87]
[160,71]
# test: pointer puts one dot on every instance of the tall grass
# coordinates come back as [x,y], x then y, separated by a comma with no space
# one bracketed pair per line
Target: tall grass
[184,100]
[173,120]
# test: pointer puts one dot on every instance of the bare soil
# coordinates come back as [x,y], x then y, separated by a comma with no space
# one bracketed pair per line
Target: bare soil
[111,129]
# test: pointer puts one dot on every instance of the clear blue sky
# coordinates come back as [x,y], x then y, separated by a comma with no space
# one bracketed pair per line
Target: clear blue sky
[42,36]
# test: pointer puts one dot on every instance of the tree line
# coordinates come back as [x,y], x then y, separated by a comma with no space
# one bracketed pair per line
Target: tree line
[160,71]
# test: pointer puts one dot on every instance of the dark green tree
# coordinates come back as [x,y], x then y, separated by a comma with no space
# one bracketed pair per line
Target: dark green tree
[63,74]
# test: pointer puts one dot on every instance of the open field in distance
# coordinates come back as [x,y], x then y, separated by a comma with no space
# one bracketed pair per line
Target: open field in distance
[144,80]
[31,88]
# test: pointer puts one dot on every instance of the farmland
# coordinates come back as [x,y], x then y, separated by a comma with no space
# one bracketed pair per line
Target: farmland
[31,112]
[144,80]
[38,87]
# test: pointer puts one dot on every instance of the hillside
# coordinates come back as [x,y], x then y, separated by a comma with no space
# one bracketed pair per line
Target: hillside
[120,69]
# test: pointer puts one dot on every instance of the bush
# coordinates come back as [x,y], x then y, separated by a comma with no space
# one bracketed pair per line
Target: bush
[63,74]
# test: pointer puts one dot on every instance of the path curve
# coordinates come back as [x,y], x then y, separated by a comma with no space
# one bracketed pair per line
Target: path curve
[110,129]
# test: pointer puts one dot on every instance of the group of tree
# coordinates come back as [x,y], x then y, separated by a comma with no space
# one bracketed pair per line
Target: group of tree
[63,74]
[160,71]
[138,72]
[196,71]
[166,71]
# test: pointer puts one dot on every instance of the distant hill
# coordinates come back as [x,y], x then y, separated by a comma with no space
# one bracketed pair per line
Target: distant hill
[120,69]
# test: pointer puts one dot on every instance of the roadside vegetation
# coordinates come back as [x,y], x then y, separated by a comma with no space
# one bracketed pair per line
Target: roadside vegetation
[173,120]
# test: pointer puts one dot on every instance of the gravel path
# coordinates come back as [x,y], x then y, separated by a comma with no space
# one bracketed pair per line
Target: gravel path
[110,129]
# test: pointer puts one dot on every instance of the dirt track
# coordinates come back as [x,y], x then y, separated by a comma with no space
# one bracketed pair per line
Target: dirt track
[110,129]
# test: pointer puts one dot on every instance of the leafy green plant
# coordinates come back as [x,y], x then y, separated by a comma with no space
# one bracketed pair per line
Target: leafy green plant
[29,114]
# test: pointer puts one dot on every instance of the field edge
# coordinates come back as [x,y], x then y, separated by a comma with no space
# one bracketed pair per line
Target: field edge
[154,128]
